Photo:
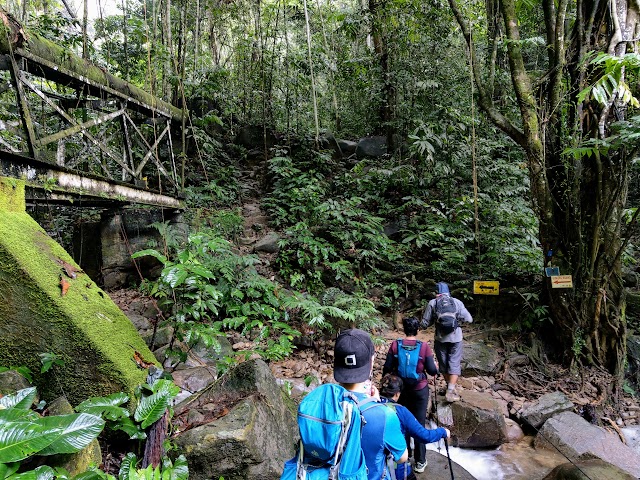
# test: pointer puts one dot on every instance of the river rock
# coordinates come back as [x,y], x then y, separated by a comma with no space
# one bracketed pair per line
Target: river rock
[194,379]
[477,421]
[479,359]
[546,407]
[577,440]
[11,381]
[588,469]
[514,432]
[347,147]
[268,244]
[252,437]
[632,436]
[211,355]
[163,336]
[141,322]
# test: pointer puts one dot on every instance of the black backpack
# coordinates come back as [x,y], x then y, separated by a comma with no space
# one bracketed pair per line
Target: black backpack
[446,318]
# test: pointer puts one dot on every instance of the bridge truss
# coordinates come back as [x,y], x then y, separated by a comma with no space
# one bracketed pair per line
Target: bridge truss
[72,129]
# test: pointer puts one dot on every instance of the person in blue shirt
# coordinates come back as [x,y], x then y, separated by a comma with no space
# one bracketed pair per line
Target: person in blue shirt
[352,368]
[390,390]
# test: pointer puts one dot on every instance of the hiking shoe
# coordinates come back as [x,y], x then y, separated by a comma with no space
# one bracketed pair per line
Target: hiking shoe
[419,467]
[451,396]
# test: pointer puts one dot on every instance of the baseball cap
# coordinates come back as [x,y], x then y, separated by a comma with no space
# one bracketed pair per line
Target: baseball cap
[352,356]
[442,287]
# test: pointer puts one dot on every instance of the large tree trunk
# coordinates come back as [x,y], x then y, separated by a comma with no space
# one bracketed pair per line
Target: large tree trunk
[377,9]
[579,201]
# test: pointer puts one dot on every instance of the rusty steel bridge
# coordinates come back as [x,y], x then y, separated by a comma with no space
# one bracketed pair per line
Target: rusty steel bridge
[74,132]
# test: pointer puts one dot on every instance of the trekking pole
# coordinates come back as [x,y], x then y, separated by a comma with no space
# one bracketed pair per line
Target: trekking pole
[446,442]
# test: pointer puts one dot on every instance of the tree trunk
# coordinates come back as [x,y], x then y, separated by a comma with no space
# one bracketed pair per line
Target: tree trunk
[579,201]
[377,9]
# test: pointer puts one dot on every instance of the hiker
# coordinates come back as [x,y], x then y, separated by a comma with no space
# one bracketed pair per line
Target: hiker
[390,390]
[411,360]
[353,366]
[447,313]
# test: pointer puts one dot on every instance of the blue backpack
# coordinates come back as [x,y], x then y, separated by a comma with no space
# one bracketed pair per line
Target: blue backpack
[408,357]
[329,424]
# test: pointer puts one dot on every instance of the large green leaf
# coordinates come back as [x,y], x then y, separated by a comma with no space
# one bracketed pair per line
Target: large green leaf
[22,399]
[8,469]
[76,431]
[165,387]
[127,465]
[94,474]
[13,415]
[130,428]
[19,440]
[179,470]
[106,407]
[43,472]
[151,409]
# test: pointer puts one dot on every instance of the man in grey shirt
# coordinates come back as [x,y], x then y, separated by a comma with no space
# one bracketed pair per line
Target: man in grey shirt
[447,345]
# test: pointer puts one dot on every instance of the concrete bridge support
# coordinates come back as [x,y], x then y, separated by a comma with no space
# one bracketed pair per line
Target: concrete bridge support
[49,305]
[124,232]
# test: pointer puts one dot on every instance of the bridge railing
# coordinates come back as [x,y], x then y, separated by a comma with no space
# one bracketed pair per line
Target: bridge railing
[74,115]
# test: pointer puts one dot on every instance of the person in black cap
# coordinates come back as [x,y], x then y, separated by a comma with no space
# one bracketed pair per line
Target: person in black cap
[447,345]
[352,368]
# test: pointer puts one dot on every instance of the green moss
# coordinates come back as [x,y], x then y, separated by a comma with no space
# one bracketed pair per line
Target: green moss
[12,195]
[94,338]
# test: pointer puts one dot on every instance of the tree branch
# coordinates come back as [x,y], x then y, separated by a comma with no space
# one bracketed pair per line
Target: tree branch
[484,99]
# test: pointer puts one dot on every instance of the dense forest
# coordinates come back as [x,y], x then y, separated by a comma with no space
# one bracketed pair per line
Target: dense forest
[511,139]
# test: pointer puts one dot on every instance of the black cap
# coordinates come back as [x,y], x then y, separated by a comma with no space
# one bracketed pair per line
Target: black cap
[352,356]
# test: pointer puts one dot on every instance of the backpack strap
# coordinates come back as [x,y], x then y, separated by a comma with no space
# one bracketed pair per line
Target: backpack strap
[362,404]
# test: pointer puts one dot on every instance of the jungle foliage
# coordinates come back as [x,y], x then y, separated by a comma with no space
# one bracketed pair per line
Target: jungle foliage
[539,174]
[28,438]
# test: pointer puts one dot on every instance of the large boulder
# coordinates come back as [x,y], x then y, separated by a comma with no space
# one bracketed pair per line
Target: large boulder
[245,426]
[476,421]
[577,440]
[371,147]
[11,381]
[588,470]
[50,305]
[479,358]
[546,407]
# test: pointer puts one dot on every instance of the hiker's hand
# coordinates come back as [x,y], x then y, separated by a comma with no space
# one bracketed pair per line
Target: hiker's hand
[448,432]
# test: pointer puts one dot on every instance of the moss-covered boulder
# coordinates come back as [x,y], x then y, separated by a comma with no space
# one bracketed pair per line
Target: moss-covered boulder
[50,306]
[242,427]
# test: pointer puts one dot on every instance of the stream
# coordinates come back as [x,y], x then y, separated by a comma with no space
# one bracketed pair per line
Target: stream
[519,461]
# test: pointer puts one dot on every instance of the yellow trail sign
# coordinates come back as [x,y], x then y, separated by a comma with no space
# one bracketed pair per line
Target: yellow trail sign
[561,281]
[486,287]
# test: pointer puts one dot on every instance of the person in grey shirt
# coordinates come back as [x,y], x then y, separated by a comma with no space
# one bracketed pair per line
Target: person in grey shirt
[447,346]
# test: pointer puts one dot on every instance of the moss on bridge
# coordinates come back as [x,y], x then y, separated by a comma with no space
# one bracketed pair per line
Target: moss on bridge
[83,326]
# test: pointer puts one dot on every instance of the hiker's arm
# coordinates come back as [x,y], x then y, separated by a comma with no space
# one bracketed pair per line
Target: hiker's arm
[426,317]
[430,365]
[394,440]
[413,428]
[463,314]
[404,458]
[388,366]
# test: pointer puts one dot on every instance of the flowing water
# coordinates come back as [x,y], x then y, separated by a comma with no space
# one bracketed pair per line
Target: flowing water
[519,461]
